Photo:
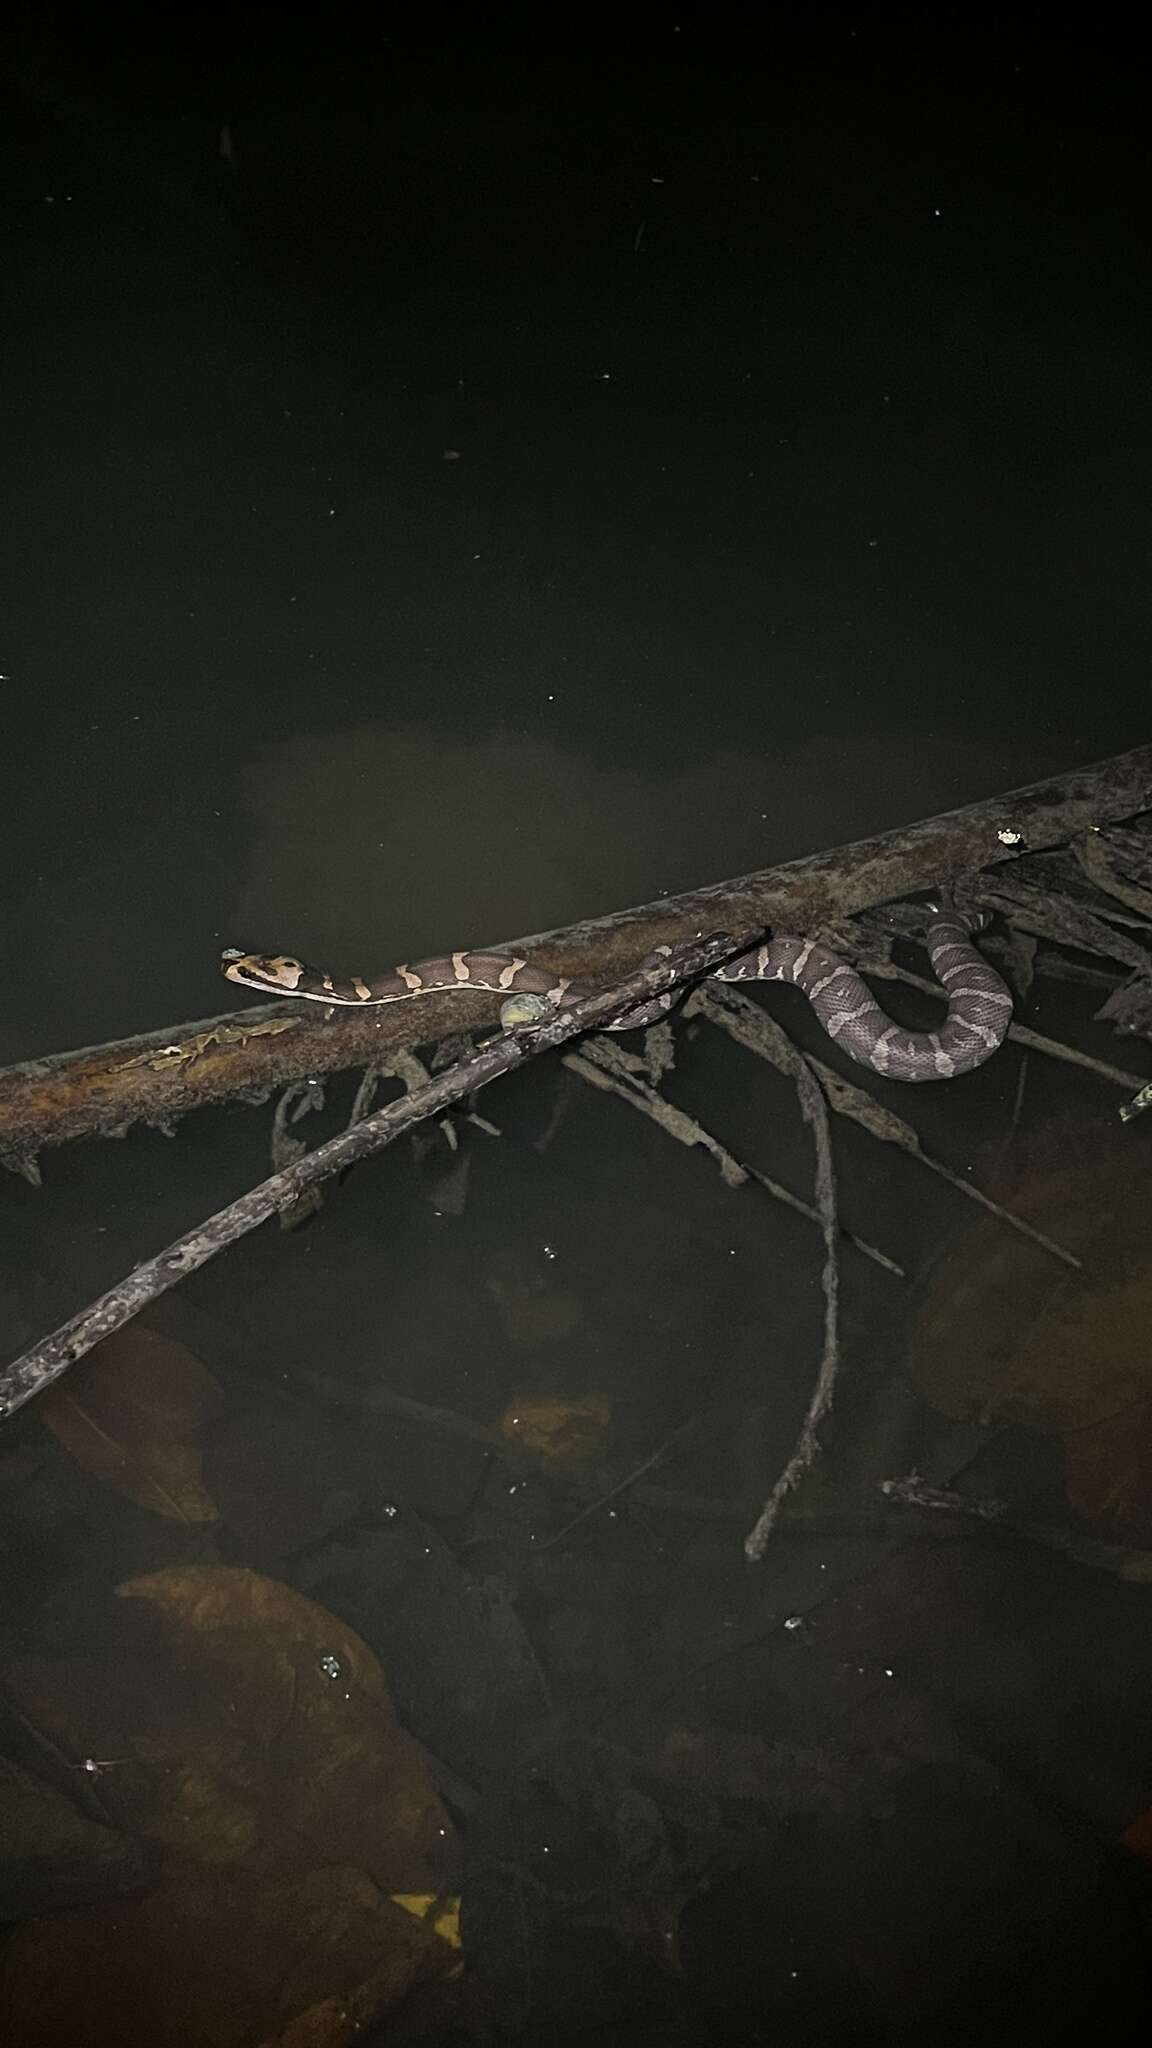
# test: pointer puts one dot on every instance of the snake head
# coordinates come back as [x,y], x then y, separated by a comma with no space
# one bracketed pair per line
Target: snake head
[275,972]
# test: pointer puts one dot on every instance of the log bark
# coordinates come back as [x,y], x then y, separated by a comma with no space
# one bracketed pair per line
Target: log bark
[160,1076]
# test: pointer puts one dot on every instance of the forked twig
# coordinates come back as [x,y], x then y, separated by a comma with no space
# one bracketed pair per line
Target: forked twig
[603,1065]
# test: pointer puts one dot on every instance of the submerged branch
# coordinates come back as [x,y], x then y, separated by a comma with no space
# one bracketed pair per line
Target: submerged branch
[1125,1562]
[52,1356]
[601,1065]
[807,1448]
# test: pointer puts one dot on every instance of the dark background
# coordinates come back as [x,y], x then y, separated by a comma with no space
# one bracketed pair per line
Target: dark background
[469,468]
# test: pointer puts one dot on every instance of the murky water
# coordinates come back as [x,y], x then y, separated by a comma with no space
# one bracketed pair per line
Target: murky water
[491,490]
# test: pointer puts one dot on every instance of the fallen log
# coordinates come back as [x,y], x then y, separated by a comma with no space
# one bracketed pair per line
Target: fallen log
[156,1078]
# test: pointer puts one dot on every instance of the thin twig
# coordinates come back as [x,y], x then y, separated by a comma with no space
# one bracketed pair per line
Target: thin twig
[1006,1143]
[815,1110]
[53,1355]
[600,1064]
[382,1400]
[1121,1559]
[1072,1055]
[629,1480]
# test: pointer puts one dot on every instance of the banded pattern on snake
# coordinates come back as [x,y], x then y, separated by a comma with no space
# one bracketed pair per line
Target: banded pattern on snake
[979,1005]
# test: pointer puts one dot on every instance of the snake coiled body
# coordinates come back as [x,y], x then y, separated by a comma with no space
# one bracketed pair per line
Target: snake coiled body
[979,1005]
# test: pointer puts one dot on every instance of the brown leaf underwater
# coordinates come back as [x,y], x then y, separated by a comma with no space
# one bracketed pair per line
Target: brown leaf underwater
[133,1414]
[300,1759]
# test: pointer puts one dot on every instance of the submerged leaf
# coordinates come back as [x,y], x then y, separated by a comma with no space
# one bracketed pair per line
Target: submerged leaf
[303,1761]
[568,1431]
[1137,1837]
[531,1312]
[1108,1473]
[133,1414]
[233,1961]
[441,1914]
[52,1855]
[1002,1340]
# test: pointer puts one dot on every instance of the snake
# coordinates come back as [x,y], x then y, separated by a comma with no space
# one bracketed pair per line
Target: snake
[979,1004]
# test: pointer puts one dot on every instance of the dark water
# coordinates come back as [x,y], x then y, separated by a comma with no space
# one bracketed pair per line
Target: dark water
[470,471]
[797,383]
